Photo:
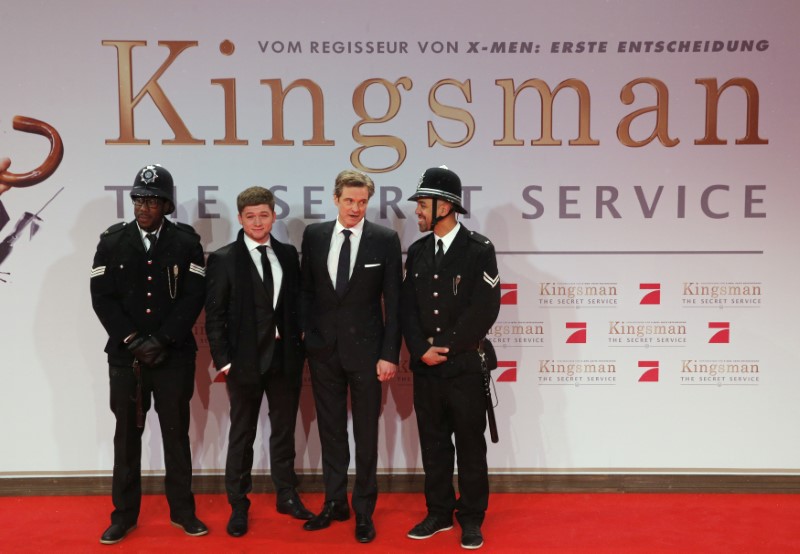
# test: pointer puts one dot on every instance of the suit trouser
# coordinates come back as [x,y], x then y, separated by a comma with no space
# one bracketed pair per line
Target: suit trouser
[171,387]
[283,398]
[448,408]
[330,381]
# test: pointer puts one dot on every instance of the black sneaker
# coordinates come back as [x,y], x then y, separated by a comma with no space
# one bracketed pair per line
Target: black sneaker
[429,526]
[471,537]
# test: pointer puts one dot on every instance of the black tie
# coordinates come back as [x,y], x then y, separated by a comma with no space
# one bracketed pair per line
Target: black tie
[439,253]
[151,237]
[266,272]
[343,271]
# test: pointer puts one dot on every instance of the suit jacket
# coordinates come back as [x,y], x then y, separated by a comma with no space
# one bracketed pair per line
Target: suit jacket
[454,305]
[240,323]
[161,295]
[357,325]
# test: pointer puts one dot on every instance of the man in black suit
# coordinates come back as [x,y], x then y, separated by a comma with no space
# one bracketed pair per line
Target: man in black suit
[254,334]
[147,287]
[349,266]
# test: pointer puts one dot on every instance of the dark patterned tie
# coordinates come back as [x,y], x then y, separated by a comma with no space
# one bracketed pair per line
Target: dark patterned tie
[343,271]
[151,238]
[266,272]
[439,254]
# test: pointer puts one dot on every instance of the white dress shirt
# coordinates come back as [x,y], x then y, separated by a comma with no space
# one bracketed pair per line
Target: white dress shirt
[447,240]
[144,234]
[337,240]
[275,265]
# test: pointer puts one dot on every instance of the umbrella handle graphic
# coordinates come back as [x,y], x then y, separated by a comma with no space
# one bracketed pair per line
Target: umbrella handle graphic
[50,164]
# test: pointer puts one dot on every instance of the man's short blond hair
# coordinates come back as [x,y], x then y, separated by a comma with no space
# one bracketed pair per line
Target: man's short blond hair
[353,178]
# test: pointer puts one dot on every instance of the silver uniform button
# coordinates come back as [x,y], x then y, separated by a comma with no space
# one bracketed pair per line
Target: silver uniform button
[435,275]
[147,311]
[436,295]
[435,312]
[438,330]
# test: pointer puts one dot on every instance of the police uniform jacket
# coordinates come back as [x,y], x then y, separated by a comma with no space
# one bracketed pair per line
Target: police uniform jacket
[161,295]
[453,306]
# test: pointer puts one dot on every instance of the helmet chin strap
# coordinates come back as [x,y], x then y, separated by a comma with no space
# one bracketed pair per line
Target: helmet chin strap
[435,219]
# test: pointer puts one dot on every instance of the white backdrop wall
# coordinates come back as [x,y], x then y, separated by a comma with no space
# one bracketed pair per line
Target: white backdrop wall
[649,320]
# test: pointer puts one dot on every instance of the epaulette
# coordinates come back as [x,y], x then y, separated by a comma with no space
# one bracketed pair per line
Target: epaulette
[186,228]
[477,237]
[419,240]
[116,228]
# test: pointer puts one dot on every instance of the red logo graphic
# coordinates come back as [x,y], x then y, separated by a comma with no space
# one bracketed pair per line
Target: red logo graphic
[220,377]
[652,297]
[650,374]
[508,371]
[579,335]
[724,333]
[508,293]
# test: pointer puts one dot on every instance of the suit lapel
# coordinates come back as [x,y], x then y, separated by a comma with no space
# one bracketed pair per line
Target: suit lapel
[427,251]
[363,246]
[132,234]
[280,253]
[324,247]
[458,245]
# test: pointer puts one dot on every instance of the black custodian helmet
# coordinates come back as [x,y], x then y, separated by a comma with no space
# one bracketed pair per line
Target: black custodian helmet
[154,180]
[442,184]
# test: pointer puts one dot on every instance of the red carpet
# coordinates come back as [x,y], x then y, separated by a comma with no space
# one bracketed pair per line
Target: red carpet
[583,523]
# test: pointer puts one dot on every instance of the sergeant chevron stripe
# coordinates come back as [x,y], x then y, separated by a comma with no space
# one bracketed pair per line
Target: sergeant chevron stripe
[98,271]
[199,270]
[493,281]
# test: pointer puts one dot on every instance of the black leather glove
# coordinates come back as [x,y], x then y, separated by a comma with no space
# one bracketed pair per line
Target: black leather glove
[150,350]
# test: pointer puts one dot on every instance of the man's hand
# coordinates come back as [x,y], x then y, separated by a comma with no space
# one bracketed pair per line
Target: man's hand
[386,370]
[150,351]
[435,355]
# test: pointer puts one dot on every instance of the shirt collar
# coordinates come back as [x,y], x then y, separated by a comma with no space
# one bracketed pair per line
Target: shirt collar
[448,239]
[357,229]
[144,233]
[252,245]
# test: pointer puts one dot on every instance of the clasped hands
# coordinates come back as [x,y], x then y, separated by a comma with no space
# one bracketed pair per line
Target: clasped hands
[149,350]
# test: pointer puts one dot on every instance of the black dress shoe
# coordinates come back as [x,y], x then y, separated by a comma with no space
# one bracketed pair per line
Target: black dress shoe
[237,524]
[116,533]
[365,529]
[192,526]
[293,506]
[331,511]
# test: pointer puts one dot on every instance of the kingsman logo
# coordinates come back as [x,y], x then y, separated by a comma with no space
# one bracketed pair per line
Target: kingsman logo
[720,372]
[578,336]
[649,369]
[647,333]
[517,333]
[722,333]
[578,294]
[508,293]
[722,294]
[508,371]
[652,293]
[577,372]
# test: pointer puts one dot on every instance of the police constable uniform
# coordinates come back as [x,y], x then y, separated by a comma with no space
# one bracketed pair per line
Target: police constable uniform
[148,297]
[453,305]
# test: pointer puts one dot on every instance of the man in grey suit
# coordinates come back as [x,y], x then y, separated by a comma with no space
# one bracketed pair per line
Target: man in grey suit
[351,277]
[253,329]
